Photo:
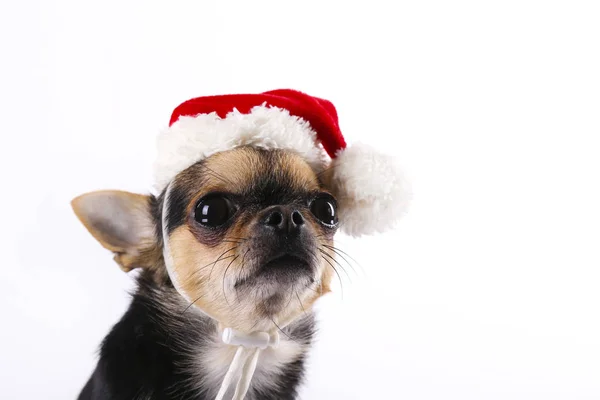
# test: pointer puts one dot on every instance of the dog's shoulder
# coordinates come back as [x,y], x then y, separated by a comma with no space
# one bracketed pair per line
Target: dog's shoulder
[136,359]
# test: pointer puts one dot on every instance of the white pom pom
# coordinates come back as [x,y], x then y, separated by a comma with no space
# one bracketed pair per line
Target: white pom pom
[371,190]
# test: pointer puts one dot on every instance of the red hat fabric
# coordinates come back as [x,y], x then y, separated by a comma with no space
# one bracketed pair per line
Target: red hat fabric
[319,113]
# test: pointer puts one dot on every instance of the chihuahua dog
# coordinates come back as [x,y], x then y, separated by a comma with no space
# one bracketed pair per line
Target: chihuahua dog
[235,246]
[250,233]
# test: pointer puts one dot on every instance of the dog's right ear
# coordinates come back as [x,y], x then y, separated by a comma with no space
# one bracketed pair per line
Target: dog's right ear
[122,223]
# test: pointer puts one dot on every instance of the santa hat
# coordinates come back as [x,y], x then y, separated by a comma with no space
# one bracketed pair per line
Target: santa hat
[370,189]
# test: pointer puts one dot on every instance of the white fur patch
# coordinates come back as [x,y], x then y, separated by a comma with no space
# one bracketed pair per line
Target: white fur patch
[193,138]
[371,190]
[218,356]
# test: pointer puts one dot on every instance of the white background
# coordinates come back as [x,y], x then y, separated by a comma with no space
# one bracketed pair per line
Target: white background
[490,287]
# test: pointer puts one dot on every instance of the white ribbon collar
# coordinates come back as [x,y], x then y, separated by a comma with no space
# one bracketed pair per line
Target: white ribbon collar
[245,359]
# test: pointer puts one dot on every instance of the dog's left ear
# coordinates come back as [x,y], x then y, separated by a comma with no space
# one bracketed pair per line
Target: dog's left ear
[122,223]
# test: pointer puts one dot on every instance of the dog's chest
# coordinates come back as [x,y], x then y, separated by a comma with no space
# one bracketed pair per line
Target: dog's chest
[211,364]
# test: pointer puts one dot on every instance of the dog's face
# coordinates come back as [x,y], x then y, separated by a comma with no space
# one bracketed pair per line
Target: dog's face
[246,232]
[245,229]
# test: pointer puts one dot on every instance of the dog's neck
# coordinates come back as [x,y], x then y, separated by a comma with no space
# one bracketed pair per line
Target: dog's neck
[237,361]
[218,357]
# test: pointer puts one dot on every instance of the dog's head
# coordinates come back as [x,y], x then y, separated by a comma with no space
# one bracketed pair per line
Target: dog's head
[247,234]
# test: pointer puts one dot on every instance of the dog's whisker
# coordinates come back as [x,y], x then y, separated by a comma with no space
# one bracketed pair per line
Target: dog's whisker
[218,259]
[280,330]
[236,238]
[338,263]
[335,261]
[212,174]
[224,179]
[208,265]
[291,296]
[225,275]
[272,320]
[339,251]
[241,268]
[254,325]
[192,303]
[338,275]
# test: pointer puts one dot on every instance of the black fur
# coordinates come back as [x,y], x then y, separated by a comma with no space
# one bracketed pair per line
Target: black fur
[178,202]
[144,356]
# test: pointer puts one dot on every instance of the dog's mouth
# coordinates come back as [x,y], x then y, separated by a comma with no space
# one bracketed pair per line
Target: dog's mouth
[283,268]
[285,262]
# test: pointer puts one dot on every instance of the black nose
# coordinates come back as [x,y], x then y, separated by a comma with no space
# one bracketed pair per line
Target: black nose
[283,219]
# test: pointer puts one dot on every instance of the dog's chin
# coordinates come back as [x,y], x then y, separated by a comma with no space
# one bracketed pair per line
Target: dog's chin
[276,280]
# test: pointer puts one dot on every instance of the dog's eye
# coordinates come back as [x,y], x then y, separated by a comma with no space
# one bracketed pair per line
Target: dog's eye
[213,210]
[324,208]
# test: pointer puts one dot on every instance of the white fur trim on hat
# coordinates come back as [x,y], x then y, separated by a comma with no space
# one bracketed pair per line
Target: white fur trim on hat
[371,190]
[193,138]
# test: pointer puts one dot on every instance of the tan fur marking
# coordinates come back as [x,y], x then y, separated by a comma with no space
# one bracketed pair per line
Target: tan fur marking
[229,171]
[303,174]
[201,275]
[242,166]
